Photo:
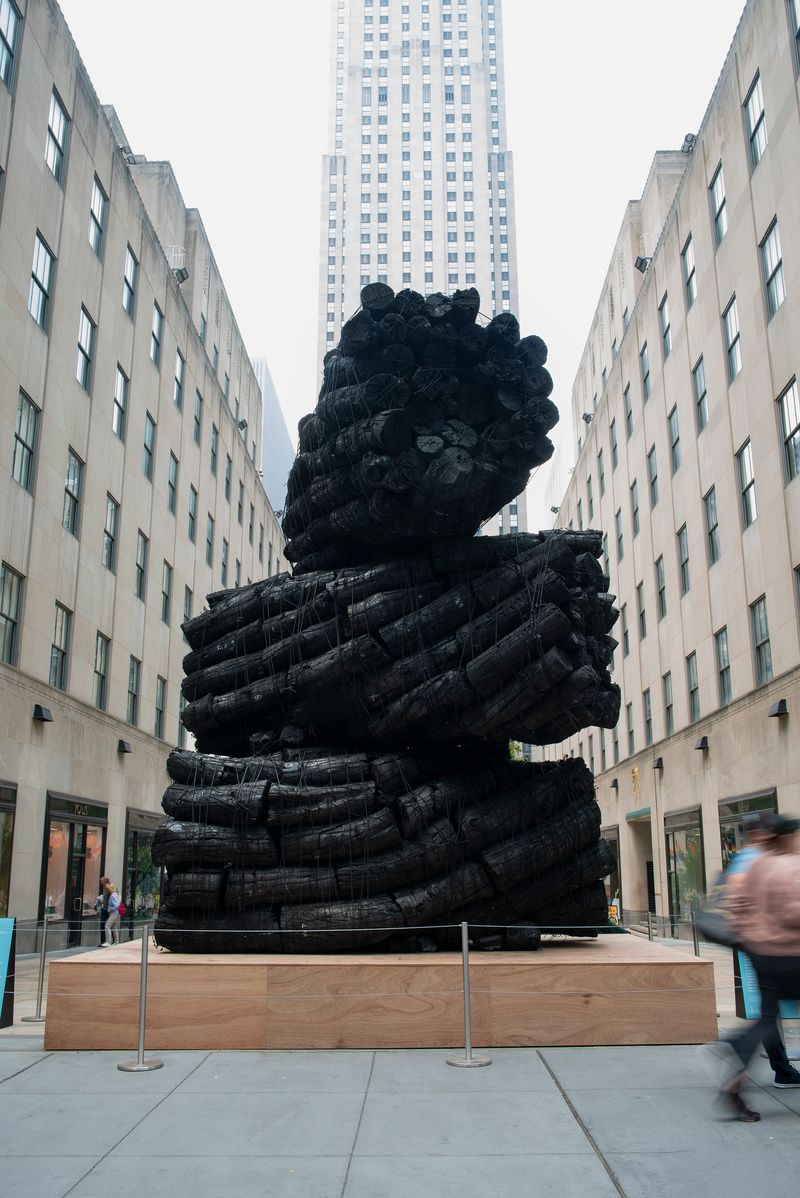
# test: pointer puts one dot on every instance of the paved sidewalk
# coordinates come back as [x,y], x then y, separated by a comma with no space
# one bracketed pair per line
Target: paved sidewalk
[549,1123]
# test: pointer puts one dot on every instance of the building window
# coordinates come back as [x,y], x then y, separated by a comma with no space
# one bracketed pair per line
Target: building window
[73,485]
[166,592]
[647,716]
[161,692]
[59,650]
[140,576]
[641,614]
[661,589]
[224,563]
[198,417]
[9,23]
[210,541]
[10,607]
[214,445]
[237,573]
[652,475]
[134,681]
[755,122]
[129,282]
[712,526]
[664,326]
[27,427]
[110,530]
[761,647]
[669,709]
[580,516]
[56,145]
[626,641]
[626,399]
[120,407]
[83,369]
[700,395]
[772,264]
[689,272]
[192,515]
[674,440]
[683,560]
[693,688]
[615,744]
[97,217]
[240,503]
[629,723]
[614,445]
[644,362]
[635,507]
[719,214]
[187,604]
[251,524]
[724,689]
[102,646]
[172,483]
[730,322]
[228,476]
[177,386]
[41,280]
[156,333]
[601,473]
[790,429]
[261,543]
[149,446]
[618,531]
[589,498]
[747,484]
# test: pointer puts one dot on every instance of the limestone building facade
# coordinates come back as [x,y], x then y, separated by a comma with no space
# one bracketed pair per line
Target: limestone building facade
[687,456]
[130,435]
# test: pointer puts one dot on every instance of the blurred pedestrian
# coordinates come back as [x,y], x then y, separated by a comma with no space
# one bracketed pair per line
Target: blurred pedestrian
[101,907]
[113,917]
[765,909]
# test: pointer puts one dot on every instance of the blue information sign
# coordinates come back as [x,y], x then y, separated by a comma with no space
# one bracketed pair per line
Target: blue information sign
[751,994]
[7,971]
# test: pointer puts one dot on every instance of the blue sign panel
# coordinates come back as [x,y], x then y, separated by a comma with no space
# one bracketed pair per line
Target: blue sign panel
[751,994]
[7,971]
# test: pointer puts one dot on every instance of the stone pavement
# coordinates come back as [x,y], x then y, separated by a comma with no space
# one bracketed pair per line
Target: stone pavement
[549,1123]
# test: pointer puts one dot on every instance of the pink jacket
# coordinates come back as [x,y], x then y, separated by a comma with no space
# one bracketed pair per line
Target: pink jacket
[765,905]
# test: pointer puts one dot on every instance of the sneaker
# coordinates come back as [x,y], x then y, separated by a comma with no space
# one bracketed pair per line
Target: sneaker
[787,1081]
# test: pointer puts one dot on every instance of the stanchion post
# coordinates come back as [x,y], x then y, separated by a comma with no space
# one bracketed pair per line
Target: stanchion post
[468,1060]
[695,937]
[142,1065]
[39,1017]
[649,925]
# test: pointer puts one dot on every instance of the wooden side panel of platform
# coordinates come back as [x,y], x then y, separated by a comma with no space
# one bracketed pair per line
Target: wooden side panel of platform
[616,990]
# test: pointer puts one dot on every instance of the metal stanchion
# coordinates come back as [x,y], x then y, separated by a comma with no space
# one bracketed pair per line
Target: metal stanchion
[468,1060]
[140,1065]
[695,937]
[39,1017]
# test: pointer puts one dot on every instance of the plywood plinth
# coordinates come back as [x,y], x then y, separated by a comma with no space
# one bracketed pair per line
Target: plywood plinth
[615,990]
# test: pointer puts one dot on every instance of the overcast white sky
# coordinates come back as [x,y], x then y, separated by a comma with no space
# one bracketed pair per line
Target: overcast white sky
[235,95]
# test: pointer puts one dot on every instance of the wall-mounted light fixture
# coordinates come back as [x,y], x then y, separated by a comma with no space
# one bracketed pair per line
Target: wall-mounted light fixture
[614,784]
[124,746]
[587,417]
[780,708]
[642,263]
[658,764]
[43,714]
[555,510]
[702,744]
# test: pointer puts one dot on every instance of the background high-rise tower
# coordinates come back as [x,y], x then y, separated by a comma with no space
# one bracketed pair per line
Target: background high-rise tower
[417,187]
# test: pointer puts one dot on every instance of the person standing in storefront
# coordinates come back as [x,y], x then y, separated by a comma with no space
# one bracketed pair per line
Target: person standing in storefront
[765,910]
[113,917]
[101,907]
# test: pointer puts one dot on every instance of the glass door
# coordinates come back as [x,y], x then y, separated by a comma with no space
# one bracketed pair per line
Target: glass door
[7,803]
[73,865]
[685,868]
[143,879]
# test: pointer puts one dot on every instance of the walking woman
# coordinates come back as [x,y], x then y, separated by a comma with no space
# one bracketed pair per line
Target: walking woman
[113,917]
[765,910]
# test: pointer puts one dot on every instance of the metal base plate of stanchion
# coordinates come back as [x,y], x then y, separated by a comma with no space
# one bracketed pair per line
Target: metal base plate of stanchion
[469,1062]
[141,1066]
[32,1019]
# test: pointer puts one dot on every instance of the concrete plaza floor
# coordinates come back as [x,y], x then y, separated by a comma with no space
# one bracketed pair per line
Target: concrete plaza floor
[537,1123]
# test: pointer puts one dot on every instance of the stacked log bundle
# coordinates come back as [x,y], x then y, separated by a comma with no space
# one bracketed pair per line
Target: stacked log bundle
[351,786]
[308,851]
[471,639]
[427,424]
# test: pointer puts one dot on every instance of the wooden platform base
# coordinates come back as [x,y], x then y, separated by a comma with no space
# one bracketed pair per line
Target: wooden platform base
[615,990]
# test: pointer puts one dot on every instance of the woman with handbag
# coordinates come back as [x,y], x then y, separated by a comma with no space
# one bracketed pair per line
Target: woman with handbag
[113,917]
[764,909]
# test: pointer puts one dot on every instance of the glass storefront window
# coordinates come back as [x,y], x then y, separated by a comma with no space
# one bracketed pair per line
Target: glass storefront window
[91,870]
[685,865]
[143,879]
[730,822]
[612,883]
[7,799]
[57,860]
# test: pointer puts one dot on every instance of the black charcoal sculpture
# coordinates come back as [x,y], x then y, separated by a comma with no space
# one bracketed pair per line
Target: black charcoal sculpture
[352,787]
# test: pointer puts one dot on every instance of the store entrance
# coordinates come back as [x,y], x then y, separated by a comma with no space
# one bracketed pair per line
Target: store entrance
[74,858]
[143,879]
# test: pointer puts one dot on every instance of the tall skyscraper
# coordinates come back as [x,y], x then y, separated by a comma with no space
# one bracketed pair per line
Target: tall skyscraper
[417,187]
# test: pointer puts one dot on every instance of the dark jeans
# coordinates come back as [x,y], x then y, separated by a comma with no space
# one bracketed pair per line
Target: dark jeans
[103,917]
[778,977]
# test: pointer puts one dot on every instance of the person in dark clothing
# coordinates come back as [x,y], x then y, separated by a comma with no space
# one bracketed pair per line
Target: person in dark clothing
[101,907]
